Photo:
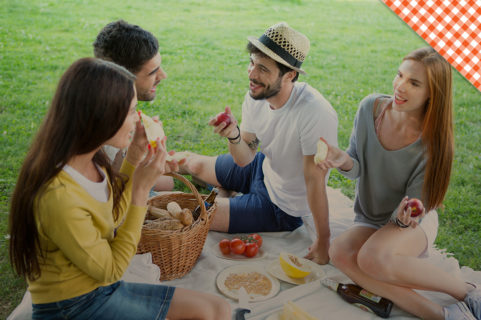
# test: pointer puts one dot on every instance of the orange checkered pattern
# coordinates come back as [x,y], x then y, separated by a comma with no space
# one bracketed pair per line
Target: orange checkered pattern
[452,28]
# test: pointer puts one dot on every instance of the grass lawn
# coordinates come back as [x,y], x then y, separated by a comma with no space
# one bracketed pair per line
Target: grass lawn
[356,47]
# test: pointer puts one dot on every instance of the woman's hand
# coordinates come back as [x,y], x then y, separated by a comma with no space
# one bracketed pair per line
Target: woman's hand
[138,146]
[336,158]
[403,215]
[147,172]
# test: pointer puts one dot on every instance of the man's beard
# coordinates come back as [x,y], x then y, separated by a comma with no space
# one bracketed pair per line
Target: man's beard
[269,91]
[146,96]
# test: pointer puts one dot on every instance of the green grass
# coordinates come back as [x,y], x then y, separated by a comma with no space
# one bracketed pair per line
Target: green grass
[356,47]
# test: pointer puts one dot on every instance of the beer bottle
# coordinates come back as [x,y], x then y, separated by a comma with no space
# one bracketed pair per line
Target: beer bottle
[360,297]
[208,202]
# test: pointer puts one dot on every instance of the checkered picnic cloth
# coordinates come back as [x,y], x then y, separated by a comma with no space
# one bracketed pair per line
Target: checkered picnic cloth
[453,28]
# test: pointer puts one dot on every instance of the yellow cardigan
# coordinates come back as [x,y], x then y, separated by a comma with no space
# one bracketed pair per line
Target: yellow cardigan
[77,233]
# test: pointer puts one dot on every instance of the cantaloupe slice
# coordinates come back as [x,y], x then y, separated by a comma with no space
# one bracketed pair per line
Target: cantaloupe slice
[293,266]
[153,129]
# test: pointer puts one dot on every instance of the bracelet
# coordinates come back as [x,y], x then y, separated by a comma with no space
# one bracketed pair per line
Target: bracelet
[400,224]
[234,139]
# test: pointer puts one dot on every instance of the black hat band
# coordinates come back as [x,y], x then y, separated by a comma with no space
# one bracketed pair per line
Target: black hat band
[280,51]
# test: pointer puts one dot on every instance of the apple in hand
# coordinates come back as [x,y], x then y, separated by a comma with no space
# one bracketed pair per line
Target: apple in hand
[223,117]
[416,207]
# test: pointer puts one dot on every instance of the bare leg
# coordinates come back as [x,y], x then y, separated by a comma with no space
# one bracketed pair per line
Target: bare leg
[391,255]
[353,253]
[201,167]
[221,218]
[164,183]
[189,304]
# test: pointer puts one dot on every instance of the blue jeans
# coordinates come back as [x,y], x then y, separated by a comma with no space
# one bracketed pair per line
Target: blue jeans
[253,211]
[121,300]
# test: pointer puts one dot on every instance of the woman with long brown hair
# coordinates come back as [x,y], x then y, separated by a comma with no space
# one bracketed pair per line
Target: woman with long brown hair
[402,147]
[75,222]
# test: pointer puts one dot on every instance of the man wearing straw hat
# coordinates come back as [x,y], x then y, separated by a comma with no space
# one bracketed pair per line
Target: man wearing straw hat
[137,50]
[280,185]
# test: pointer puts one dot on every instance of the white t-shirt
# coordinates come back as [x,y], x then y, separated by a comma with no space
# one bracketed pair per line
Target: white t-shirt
[286,135]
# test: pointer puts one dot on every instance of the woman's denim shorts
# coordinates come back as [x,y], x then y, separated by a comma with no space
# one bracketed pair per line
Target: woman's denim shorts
[121,300]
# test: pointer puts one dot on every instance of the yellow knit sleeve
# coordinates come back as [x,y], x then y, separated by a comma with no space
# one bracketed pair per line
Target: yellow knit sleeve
[83,230]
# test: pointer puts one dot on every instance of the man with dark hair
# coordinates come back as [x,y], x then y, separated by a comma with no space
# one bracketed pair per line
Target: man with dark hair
[137,50]
[281,186]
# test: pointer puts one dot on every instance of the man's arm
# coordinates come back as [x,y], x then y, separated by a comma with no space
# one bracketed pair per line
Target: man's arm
[317,198]
[242,145]
[243,149]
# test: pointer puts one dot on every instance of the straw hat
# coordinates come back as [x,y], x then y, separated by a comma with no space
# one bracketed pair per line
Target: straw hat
[283,44]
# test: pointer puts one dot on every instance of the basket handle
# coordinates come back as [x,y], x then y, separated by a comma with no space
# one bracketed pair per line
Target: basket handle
[198,197]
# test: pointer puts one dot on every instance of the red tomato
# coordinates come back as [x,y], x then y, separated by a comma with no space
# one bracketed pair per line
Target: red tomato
[257,239]
[224,246]
[251,249]
[237,246]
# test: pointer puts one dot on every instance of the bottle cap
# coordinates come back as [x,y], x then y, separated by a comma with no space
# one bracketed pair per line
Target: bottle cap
[330,283]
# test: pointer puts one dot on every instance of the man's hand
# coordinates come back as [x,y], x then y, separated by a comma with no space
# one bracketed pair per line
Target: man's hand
[224,130]
[319,252]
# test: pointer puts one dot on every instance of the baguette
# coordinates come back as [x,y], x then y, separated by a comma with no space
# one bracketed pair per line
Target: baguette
[159,213]
[186,217]
[172,224]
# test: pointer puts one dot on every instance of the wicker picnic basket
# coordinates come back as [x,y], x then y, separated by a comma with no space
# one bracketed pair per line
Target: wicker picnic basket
[176,251]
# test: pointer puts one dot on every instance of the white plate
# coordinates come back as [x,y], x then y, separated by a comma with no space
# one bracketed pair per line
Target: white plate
[231,256]
[316,272]
[246,268]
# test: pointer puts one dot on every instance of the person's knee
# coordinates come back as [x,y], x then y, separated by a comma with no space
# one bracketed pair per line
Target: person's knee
[376,262]
[340,255]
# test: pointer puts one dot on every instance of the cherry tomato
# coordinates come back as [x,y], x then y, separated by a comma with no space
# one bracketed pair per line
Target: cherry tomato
[257,239]
[237,246]
[224,246]
[251,249]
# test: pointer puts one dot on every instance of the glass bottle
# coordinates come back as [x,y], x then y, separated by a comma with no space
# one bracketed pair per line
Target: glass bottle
[360,297]
[208,202]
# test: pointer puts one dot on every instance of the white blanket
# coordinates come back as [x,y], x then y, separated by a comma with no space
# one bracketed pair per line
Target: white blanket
[322,303]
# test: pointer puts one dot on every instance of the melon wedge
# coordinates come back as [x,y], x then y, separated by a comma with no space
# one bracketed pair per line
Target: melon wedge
[293,266]
[153,129]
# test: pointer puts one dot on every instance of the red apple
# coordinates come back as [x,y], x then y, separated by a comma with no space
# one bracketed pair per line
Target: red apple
[416,207]
[222,117]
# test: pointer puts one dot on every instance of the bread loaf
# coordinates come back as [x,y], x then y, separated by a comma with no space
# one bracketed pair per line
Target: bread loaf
[174,209]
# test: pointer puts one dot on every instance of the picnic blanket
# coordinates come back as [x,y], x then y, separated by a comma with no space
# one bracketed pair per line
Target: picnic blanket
[322,302]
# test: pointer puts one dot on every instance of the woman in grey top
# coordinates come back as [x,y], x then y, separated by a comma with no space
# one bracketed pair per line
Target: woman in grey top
[402,147]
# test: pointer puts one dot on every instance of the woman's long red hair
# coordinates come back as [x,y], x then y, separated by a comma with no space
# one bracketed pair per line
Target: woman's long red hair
[437,131]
